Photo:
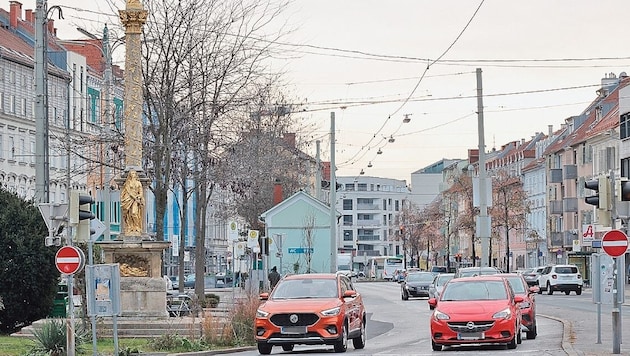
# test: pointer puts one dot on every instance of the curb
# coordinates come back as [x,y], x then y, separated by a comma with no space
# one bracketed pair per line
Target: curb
[215,352]
[567,335]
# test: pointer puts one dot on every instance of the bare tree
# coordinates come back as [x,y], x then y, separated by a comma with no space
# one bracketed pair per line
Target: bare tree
[510,206]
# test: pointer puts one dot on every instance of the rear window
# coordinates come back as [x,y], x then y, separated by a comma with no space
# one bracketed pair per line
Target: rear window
[566,270]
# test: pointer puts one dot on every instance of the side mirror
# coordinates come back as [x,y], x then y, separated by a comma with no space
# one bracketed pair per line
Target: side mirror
[534,289]
[518,299]
[432,303]
[263,296]
[349,294]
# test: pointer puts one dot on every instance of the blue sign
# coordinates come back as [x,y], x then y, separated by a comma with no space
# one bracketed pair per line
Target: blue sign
[300,250]
[596,244]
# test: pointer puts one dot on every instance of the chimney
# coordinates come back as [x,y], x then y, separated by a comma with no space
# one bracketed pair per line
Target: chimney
[15,13]
[289,138]
[51,27]
[277,192]
[550,129]
[29,16]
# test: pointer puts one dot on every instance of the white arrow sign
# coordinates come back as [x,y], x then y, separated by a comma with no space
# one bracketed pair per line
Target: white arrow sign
[98,227]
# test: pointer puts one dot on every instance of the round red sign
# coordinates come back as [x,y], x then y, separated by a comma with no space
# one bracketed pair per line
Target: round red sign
[615,243]
[69,260]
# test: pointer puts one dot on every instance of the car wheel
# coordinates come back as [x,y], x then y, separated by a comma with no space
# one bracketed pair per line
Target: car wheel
[264,348]
[436,347]
[359,342]
[578,291]
[531,333]
[519,335]
[549,290]
[405,296]
[567,292]
[342,344]
[512,344]
[288,347]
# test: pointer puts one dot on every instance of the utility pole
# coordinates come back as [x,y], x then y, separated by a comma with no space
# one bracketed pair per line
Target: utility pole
[483,220]
[333,198]
[42,171]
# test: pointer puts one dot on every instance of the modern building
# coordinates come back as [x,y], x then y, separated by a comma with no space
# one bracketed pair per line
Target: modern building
[370,208]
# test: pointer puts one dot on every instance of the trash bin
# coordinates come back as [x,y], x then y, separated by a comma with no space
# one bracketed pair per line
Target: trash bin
[60,304]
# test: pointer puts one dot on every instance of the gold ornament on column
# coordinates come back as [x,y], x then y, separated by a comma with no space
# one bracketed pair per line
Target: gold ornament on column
[132,204]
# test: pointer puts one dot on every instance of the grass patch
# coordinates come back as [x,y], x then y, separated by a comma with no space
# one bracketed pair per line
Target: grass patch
[20,346]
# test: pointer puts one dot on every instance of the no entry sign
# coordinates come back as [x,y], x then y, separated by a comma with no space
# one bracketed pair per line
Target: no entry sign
[615,243]
[69,260]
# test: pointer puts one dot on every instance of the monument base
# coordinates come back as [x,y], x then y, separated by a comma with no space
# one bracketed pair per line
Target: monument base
[142,287]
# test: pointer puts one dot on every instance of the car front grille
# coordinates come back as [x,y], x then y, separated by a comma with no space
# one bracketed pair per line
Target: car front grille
[471,326]
[303,319]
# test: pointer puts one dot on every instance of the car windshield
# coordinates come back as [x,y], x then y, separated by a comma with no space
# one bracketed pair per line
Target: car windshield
[443,278]
[474,290]
[305,288]
[419,277]
[476,272]
[517,284]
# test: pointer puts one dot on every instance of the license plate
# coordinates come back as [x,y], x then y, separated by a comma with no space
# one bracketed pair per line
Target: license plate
[293,330]
[470,336]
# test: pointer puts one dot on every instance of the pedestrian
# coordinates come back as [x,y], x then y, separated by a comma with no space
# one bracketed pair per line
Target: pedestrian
[273,277]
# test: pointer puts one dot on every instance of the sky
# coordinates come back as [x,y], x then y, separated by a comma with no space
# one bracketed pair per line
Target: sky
[373,63]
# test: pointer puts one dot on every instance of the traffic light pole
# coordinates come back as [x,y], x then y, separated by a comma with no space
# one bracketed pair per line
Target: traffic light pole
[616,317]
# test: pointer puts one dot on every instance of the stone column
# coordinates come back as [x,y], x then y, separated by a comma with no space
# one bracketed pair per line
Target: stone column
[142,288]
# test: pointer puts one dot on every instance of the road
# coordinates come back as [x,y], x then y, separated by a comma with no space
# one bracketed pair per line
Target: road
[397,327]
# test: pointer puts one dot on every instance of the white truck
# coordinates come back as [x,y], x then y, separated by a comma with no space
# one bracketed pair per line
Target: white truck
[344,264]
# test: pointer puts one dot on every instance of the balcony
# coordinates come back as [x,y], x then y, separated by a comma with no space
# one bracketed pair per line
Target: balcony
[555,207]
[570,205]
[366,222]
[555,175]
[570,171]
[361,238]
[367,207]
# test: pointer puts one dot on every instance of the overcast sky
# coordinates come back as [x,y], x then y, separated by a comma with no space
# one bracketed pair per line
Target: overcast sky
[367,60]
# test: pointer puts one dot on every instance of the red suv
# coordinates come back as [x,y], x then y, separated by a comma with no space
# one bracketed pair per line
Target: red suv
[311,309]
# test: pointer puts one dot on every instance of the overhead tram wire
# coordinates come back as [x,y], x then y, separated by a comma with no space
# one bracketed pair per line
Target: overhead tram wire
[421,78]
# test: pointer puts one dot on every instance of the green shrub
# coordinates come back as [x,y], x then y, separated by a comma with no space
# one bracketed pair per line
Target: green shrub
[51,338]
[210,301]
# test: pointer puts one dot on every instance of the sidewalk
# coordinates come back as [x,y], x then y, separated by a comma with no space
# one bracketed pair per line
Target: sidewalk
[580,336]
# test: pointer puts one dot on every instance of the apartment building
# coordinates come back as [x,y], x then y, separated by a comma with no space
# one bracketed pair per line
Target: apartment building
[370,208]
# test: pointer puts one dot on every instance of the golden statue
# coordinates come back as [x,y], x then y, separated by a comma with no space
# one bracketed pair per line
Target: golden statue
[132,204]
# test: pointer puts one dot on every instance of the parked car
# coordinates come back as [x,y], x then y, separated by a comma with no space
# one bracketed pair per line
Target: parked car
[438,269]
[476,271]
[416,284]
[476,310]
[564,278]
[311,309]
[531,275]
[528,305]
[436,286]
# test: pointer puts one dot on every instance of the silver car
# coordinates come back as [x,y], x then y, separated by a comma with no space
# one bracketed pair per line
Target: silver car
[436,286]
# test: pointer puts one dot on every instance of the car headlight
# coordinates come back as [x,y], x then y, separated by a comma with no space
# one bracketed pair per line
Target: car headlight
[503,314]
[331,312]
[525,305]
[440,316]
[261,313]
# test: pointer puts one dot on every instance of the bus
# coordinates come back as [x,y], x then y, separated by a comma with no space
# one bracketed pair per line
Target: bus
[383,267]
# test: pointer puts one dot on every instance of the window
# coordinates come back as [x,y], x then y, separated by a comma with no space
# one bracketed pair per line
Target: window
[12,104]
[347,204]
[350,187]
[362,187]
[24,111]
[347,220]
[1,149]
[12,77]
[624,126]
[347,235]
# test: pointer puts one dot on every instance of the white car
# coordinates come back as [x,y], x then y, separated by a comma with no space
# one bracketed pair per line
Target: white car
[564,278]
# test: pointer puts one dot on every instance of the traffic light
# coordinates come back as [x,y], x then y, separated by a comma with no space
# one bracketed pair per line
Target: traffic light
[401,231]
[601,186]
[80,215]
[623,193]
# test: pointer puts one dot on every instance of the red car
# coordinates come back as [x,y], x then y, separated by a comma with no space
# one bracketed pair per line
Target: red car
[528,305]
[476,310]
[311,309]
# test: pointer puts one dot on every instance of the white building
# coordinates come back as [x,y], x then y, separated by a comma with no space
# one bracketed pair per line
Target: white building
[370,207]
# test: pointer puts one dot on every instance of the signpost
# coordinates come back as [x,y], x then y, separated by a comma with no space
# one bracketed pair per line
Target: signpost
[615,244]
[69,260]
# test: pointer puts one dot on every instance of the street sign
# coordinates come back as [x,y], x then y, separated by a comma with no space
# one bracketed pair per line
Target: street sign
[615,243]
[98,227]
[69,260]
[300,250]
